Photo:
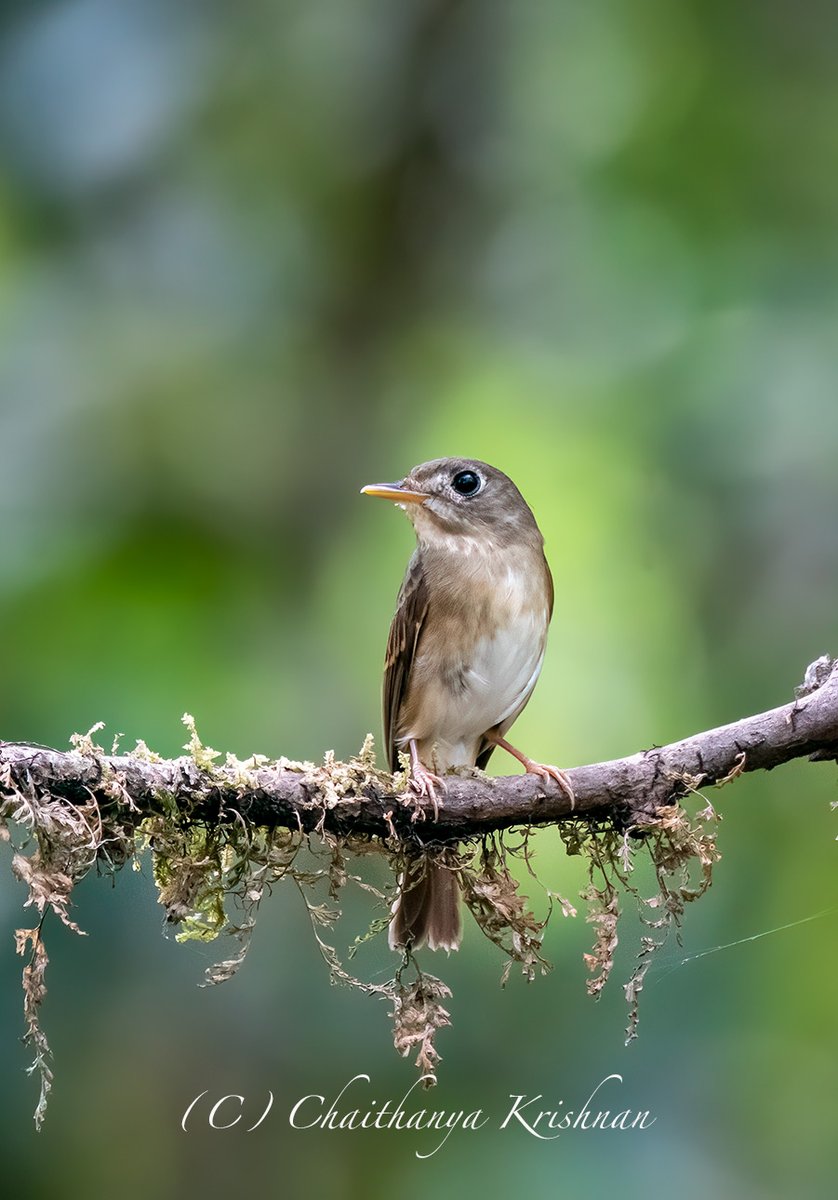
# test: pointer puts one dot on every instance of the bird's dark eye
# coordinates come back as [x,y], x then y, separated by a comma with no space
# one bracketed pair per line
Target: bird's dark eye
[466,483]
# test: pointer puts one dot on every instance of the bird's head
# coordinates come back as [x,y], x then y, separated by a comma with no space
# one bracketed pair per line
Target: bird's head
[461,498]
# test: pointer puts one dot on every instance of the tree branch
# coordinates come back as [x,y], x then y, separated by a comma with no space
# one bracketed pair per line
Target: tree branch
[83,806]
[356,798]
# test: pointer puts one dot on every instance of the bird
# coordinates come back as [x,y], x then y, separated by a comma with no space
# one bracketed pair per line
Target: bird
[464,652]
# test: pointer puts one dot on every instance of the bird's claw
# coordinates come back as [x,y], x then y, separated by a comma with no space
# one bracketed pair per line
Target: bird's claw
[423,784]
[549,772]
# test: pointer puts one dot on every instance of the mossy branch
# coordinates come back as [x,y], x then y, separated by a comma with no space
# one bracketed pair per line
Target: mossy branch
[222,833]
[357,798]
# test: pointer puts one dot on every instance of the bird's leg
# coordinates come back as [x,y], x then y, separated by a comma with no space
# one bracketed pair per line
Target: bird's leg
[534,768]
[423,782]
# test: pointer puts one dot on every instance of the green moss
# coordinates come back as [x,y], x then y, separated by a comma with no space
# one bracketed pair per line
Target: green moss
[211,876]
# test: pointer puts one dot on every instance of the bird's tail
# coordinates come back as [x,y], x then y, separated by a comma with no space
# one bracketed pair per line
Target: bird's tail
[428,906]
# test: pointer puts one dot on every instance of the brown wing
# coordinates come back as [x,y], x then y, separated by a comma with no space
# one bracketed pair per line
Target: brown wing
[411,611]
[550,594]
[483,757]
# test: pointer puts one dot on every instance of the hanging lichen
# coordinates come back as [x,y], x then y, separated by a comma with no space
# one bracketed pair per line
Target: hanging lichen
[213,867]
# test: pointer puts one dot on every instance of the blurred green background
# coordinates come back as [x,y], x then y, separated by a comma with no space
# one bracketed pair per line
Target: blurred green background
[256,256]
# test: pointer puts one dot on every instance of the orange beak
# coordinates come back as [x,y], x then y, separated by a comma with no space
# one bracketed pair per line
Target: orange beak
[394,492]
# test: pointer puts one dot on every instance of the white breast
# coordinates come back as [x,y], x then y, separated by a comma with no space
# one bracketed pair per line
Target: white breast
[498,675]
[502,673]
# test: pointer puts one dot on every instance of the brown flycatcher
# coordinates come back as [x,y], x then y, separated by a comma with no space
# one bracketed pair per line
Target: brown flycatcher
[464,653]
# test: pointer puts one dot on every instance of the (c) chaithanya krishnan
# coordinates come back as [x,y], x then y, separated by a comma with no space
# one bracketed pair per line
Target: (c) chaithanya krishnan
[524,1112]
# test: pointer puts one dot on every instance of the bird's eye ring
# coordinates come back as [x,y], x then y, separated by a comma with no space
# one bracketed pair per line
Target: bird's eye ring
[466,483]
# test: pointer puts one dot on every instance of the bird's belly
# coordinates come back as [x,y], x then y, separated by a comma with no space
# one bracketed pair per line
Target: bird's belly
[461,698]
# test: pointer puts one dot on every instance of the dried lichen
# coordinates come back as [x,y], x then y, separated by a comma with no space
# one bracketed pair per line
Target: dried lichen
[491,893]
[212,868]
[681,851]
[418,1015]
[64,841]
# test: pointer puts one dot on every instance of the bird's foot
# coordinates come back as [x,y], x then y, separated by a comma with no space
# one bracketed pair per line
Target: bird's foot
[423,784]
[534,768]
[548,772]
